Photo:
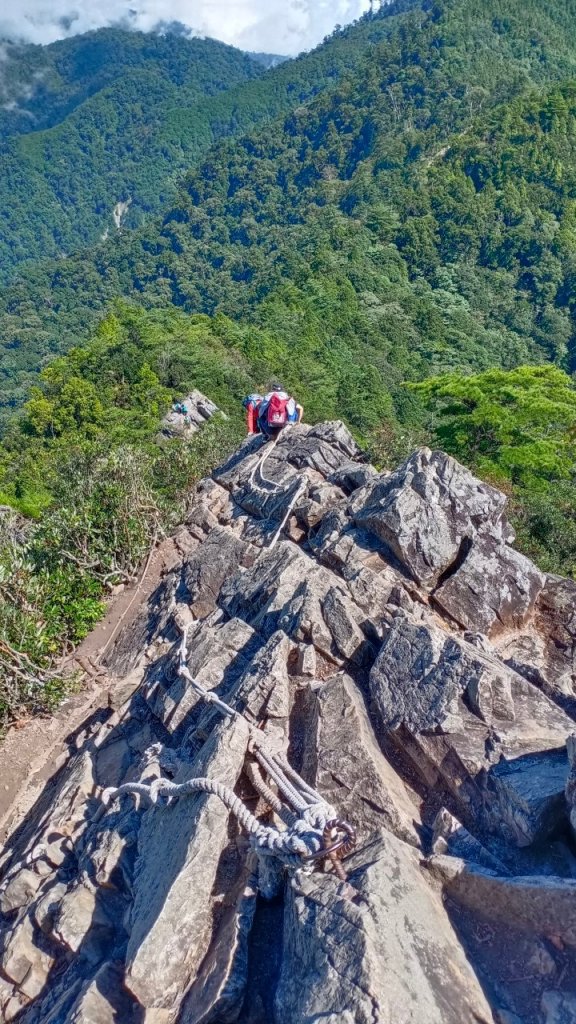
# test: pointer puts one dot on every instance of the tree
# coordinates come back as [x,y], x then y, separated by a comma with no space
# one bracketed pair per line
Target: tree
[517,424]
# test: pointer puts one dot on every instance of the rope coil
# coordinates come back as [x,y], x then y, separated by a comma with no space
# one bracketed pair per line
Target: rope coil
[310,822]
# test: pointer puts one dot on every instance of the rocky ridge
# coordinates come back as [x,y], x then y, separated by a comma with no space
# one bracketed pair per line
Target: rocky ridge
[382,631]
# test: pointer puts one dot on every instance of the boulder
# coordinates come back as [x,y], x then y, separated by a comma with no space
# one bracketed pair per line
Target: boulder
[494,588]
[344,762]
[286,590]
[489,737]
[218,653]
[23,959]
[387,954]
[205,572]
[180,847]
[199,410]
[429,512]
[220,986]
[80,912]
[543,905]
[18,890]
[260,693]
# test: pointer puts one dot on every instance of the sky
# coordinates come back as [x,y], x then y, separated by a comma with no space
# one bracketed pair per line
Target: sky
[270,26]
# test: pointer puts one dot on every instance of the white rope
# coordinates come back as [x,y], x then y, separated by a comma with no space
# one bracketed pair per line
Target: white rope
[289,792]
[301,487]
[273,485]
[306,817]
[294,789]
[263,789]
[257,468]
[290,845]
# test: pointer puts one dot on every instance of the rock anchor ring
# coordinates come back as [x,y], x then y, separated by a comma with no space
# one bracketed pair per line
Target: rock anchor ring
[339,847]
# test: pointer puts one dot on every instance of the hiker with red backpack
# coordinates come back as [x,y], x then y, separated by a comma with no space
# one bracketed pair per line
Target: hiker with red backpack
[278,410]
[269,414]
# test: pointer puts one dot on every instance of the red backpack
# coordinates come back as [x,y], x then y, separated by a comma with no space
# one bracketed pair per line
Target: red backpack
[277,411]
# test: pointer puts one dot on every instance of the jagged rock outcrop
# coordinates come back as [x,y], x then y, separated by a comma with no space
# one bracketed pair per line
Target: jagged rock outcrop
[199,409]
[381,633]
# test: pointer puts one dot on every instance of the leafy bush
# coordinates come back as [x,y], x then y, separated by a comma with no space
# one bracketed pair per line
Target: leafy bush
[108,504]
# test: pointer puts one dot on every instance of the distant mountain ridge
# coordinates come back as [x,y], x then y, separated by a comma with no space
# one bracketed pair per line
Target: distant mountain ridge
[367,219]
[42,85]
[114,115]
[94,120]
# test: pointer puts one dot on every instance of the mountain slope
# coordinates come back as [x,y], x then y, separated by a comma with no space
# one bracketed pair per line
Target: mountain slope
[97,128]
[333,212]
[42,85]
[115,116]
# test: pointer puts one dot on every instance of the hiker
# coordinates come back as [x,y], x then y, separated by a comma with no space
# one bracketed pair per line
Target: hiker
[180,407]
[252,404]
[277,410]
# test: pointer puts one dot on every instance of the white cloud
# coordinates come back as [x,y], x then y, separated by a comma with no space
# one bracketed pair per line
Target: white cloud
[271,26]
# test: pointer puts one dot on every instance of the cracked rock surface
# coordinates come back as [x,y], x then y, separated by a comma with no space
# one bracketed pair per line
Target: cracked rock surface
[412,667]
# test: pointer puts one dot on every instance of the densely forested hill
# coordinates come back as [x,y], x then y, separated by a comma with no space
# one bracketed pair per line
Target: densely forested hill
[41,85]
[354,207]
[115,117]
[97,125]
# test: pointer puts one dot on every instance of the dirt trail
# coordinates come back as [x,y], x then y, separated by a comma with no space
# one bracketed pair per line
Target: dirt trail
[33,750]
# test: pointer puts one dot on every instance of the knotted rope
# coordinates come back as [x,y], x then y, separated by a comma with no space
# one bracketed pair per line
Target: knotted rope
[310,822]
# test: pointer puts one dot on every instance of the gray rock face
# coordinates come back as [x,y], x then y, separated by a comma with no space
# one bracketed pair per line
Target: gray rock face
[341,750]
[205,572]
[419,674]
[427,509]
[557,609]
[187,839]
[199,409]
[414,669]
[559,1007]
[547,906]
[494,587]
[335,950]
[497,744]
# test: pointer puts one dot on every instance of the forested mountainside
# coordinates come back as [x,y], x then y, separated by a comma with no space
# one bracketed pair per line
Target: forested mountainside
[94,121]
[42,85]
[348,192]
[400,249]
[115,117]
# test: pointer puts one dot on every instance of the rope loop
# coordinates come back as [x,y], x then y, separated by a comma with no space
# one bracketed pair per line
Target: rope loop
[313,831]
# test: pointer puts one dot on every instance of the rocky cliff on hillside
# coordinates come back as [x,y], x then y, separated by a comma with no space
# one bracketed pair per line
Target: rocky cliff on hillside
[188,415]
[381,633]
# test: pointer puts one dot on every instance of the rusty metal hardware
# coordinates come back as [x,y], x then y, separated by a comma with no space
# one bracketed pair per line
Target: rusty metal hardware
[339,847]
